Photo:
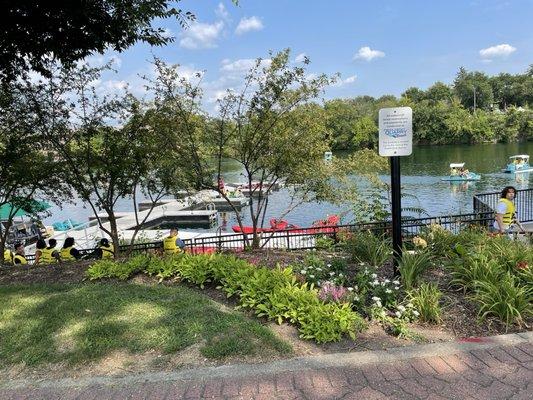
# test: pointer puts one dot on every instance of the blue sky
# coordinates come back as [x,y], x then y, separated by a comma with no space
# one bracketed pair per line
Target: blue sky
[378,47]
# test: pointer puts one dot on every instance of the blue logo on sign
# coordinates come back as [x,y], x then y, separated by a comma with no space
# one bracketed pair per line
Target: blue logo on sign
[396,132]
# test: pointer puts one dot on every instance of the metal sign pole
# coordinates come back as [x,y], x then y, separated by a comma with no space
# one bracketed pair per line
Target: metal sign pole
[396,140]
[396,212]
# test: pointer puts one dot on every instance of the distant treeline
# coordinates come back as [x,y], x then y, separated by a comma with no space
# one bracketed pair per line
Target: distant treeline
[476,108]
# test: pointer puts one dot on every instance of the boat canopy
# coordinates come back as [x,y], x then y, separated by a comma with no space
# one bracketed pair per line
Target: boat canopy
[457,165]
[524,156]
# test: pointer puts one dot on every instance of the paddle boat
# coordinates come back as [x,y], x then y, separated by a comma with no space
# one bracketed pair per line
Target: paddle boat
[518,164]
[326,225]
[276,225]
[458,173]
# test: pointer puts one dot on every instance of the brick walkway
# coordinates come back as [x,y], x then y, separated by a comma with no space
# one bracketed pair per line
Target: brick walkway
[483,373]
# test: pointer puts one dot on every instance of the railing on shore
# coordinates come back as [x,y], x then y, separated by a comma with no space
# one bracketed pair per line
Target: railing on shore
[306,238]
[486,202]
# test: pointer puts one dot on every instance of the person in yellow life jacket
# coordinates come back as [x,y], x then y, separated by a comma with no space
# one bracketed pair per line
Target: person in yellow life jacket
[20,256]
[49,255]
[106,249]
[39,247]
[172,243]
[69,252]
[8,256]
[505,210]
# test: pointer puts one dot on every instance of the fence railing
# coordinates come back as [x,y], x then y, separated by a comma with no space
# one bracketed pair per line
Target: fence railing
[486,202]
[306,238]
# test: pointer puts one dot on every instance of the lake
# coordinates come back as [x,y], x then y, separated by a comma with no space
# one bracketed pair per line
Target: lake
[421,176]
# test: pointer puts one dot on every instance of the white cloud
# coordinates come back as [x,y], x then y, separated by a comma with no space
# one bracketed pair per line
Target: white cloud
[367,54]
[249,24]
[167,33]
[498,51]
[350,79]
[201,36]
[242,65]
[300,58]
[221,11]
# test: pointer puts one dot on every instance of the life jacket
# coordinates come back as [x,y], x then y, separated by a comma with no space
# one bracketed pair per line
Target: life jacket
[508,216]
[19,259]
[47,256]
[170,246]
[65,254]
[8,256]
[108,251]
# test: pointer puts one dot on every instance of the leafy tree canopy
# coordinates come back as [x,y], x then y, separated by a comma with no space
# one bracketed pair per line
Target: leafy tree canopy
[31,32]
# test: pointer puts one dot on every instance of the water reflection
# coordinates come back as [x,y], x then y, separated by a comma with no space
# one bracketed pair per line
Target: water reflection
[522,180]
[458,187]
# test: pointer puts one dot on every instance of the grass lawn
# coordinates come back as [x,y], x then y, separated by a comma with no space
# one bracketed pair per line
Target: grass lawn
[79,323]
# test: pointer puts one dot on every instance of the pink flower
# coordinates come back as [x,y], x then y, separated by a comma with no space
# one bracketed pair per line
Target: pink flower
[330,292]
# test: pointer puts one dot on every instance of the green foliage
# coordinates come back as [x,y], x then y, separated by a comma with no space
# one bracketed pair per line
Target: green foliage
[118,269]
[412,265]
[324,243]
[505,299]
[426,301]
[368,248]
[272,293]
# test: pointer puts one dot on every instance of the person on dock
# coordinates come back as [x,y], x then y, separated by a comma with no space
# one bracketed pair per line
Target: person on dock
[50,255]
[19,256]
[172,244]
[505,210]
[39,247]
[69,252]
[105,249]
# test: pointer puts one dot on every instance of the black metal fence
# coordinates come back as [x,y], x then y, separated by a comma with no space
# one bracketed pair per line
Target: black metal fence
[486,202]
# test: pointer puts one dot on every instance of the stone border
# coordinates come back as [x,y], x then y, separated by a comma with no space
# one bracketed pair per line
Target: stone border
[308,363]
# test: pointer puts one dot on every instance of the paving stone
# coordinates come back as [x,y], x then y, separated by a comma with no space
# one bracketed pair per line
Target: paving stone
[519,379]
[302,380]
[486,358]
[267,385]
[320,379]
[406,370]
[422,367]
[248,387]
[456,364]
[412,387]
[230,387]
[526,348]
[389,372]
[284,382]
[372,374]
[336,377]
[497,391]
[518,354]
[471,361]
[502,356]
[355,377]
[194,390]
[213,389]
[365,394]
[439,365]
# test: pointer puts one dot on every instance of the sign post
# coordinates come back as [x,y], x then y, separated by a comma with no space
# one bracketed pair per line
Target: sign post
[396,140]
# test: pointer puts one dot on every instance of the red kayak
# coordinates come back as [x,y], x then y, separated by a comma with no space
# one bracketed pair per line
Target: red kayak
[276,225]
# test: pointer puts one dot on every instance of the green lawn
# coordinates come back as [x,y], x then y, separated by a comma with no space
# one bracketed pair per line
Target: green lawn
[78,323]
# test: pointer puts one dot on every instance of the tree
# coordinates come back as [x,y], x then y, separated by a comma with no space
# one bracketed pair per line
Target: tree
[414,94]
[473,89]
[439,92]
[365,133]
[341,115]
[27,168]
[105,142]
[70,30]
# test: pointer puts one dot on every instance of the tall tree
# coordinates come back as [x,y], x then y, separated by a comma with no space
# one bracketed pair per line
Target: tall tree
[473,89]
[69,30]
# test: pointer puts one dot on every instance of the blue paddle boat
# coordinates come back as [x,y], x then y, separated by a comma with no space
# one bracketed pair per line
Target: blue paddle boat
[518,164]
[458,173]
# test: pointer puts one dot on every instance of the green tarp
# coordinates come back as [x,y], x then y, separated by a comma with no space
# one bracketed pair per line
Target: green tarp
[31,208]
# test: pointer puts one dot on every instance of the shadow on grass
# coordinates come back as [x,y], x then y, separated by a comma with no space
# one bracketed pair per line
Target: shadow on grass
[79,323]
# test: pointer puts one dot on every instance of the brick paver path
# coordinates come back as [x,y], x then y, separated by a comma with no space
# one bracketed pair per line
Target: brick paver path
[501,372]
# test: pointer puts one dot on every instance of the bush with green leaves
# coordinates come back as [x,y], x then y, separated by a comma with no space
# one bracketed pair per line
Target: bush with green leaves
[508,301]
[412,265]
[426,300]
[317,271]
[368,248]
[118,269]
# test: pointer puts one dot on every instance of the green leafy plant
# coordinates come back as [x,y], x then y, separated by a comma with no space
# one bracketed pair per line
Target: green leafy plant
[411,267]
[506,300]
[426,301]
[368,248]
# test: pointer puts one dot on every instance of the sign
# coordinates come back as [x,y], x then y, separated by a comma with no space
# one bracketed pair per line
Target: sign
[395,131]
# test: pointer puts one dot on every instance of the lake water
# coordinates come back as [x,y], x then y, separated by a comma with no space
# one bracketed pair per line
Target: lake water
[421,176]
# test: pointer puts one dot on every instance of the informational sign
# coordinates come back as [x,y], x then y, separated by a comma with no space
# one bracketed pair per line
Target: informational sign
[395,131]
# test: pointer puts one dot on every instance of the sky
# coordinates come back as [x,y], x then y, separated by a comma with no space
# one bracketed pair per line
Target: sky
[379,47]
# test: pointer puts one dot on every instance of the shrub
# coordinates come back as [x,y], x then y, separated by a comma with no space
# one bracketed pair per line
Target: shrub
[426,301]
[411,266]
[504,299]
[368,248]
[118,269]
